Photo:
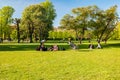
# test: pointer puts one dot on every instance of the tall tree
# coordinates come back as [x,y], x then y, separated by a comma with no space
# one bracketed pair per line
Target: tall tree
[77,21]
[6,19]
[70,22]
[104,23]
[82,16]
[39,18]
[27,20]
[50,16]
[1,24]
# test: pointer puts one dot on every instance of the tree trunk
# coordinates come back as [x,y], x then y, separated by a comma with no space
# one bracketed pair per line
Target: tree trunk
[18,32]
[83,31]
[40,35]
[103,31]
[9,38]
[30,33]
[105,41]
[36,37]
[31,41]
[99,41]
[80,39]
[4,36]
[77,34]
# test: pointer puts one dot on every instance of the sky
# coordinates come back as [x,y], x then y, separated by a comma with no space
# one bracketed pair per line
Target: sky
[62,6]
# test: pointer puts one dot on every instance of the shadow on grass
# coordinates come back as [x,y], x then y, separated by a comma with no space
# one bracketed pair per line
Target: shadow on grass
[114,45]
[84,50]
[32,47]
[17,47]
[27,47]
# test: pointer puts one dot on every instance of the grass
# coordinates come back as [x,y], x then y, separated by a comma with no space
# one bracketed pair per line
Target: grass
[33,46]
[81,64]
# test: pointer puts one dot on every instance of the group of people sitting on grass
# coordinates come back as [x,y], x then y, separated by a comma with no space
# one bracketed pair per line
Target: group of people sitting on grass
[43,48]
[56,48]
[91,46]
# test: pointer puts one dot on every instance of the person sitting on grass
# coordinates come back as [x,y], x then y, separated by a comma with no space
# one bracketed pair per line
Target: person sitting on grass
[72,45]
[99,46]
[55,48]
[41,48]
[51,48]
[91,46]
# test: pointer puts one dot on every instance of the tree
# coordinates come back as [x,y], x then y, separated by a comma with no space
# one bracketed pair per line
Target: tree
[1,24]
[104,22]
[78,21]
[51,35]
[34,18]
[16,21]
[69,22]
[5,20]
[82,15]
[39,18]
[27,20]
[50,16]
[101,22]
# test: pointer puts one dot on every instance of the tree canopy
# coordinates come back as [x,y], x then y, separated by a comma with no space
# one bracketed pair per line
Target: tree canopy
[100,22]
[5,21]
[39,18]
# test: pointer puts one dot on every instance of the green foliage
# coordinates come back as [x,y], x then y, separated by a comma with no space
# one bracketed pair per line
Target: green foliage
[17,21]
[14,35]
[101,22]
[50,13]
[62,35]
[33,18]
[38,19]
[116,33]
[104,23]
[78,21]
[5,21]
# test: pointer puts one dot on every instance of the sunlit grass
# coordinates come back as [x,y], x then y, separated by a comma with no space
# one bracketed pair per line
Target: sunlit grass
[64,65]
[81,64]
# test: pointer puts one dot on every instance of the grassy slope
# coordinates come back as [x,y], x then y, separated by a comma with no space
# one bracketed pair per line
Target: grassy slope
[83,64]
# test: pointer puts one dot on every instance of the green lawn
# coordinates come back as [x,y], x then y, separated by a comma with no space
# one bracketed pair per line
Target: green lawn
[81,64]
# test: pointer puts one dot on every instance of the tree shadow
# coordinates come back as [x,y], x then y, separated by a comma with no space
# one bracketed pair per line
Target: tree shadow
[32,47]
[17,47]
[114,45]
[85,50]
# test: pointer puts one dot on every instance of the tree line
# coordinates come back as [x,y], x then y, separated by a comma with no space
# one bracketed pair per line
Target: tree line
[36,23]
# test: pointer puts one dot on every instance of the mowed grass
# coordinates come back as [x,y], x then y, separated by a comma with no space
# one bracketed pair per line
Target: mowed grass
[81,64]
